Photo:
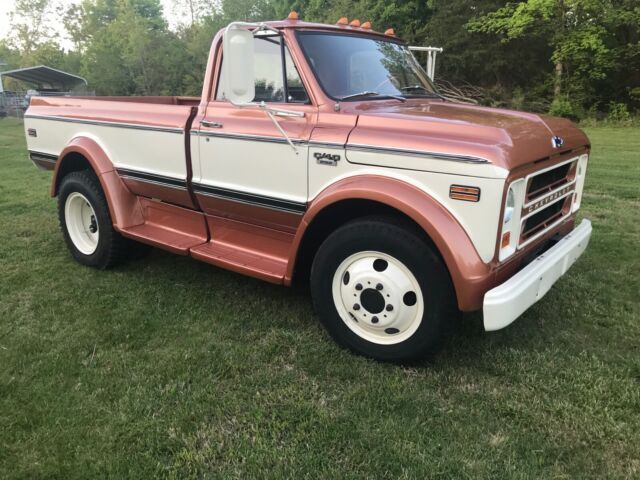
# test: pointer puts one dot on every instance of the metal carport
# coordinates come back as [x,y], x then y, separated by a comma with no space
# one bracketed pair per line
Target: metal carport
[44,78]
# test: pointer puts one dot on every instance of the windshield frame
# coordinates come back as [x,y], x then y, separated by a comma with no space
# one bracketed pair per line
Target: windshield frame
[420,71]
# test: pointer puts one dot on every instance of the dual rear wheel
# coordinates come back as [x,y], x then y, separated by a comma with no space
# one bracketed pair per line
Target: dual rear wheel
[86,223]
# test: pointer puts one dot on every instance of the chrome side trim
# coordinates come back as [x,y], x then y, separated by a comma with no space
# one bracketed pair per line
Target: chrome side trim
[241,136]
[415,153]
[315,144]
[103,123]
[154,179]
[216,192]
[247,198]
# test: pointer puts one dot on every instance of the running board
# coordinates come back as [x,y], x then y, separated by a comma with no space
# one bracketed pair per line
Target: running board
[248,249]
[169,227]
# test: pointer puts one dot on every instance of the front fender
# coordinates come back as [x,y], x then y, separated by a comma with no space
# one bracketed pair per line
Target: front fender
[124,207]
[468,272]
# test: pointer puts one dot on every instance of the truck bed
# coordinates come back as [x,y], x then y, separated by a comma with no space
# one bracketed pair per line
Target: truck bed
[142,136]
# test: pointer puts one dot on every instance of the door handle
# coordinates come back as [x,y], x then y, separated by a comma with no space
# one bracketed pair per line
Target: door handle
[207,123]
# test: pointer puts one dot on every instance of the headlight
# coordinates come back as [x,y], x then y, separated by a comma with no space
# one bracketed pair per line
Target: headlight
[511,219]
[509,206]
[581,173]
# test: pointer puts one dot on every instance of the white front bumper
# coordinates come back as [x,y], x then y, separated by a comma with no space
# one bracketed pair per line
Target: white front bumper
[506,302]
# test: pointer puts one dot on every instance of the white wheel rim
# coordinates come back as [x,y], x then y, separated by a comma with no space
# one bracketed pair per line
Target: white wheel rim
[378,297]
[82,223]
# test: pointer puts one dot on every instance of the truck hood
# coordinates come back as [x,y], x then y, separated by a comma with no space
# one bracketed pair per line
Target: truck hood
[505,138]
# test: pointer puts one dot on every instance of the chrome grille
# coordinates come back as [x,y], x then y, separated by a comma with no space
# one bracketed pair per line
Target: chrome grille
[547,181]
[548,199]
[543,219]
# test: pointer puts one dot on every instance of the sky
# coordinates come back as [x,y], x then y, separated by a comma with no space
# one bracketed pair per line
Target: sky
[6,6]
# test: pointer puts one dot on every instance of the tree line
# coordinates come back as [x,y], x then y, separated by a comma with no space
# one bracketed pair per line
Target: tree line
[576,58]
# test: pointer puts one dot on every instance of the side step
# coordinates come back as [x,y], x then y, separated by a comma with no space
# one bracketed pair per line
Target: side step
[248,249]
[169,227]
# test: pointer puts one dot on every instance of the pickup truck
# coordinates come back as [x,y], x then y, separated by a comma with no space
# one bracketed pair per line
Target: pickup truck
[324,154]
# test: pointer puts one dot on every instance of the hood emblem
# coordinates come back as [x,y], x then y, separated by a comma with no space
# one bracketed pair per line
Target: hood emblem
[557,142]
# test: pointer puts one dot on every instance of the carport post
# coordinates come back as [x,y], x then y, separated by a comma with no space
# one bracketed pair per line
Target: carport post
[432,52]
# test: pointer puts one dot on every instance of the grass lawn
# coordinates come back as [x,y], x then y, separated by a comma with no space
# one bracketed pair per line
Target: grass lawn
[170,367]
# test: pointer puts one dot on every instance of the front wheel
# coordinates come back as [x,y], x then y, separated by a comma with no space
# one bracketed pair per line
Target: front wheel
[382,291]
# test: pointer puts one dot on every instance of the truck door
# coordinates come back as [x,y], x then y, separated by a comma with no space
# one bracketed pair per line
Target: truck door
[247,169]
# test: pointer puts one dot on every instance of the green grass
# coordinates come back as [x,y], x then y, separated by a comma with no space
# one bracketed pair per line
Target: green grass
[169,367]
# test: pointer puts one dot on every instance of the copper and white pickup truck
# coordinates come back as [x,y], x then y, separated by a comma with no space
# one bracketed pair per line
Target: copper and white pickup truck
[324,153]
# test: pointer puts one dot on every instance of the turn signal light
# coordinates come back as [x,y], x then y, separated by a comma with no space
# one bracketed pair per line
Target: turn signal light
[464,192]
[390,31]
[292,16]
[506,240]
[355,23]
[367,25]
[343,21]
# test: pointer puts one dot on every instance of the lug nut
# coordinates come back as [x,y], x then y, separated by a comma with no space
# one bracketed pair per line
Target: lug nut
[356,307]
[374,319]
[389,308]
[379,286]
[359,286]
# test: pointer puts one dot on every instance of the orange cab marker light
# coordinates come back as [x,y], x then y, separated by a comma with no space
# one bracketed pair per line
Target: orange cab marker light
[343,21]
[367,25]
[355,23]
[506,240]
[390,31]
[292,16]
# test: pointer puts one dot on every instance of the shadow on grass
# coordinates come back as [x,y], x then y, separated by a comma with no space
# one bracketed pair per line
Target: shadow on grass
[466,347]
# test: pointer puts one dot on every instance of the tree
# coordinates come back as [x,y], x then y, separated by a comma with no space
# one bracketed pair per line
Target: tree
[573,29]
[195,10]
[522,53]
[247,10]
[407,17]
[127,47]
[479,58]
[30,28]
[9,56]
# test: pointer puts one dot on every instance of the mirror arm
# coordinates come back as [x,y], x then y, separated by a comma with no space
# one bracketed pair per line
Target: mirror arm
[262,27]
[254,27]
[271,113]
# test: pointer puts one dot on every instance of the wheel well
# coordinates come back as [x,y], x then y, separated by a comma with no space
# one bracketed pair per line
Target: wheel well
[336,215]
[73,162]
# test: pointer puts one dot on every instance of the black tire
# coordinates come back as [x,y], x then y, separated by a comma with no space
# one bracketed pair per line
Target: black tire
[112,248]
[403,243]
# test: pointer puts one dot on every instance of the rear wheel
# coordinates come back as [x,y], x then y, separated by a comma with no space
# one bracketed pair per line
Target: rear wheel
[86,223]
[382,291]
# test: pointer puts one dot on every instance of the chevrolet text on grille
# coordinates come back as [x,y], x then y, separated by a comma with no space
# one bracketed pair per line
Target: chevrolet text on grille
[546,200]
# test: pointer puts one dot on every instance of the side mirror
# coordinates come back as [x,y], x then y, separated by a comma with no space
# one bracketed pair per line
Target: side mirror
[238,76]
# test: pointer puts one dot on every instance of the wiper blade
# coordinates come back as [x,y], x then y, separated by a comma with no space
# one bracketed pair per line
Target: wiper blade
[427,93]
[372,94]
[411,88]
